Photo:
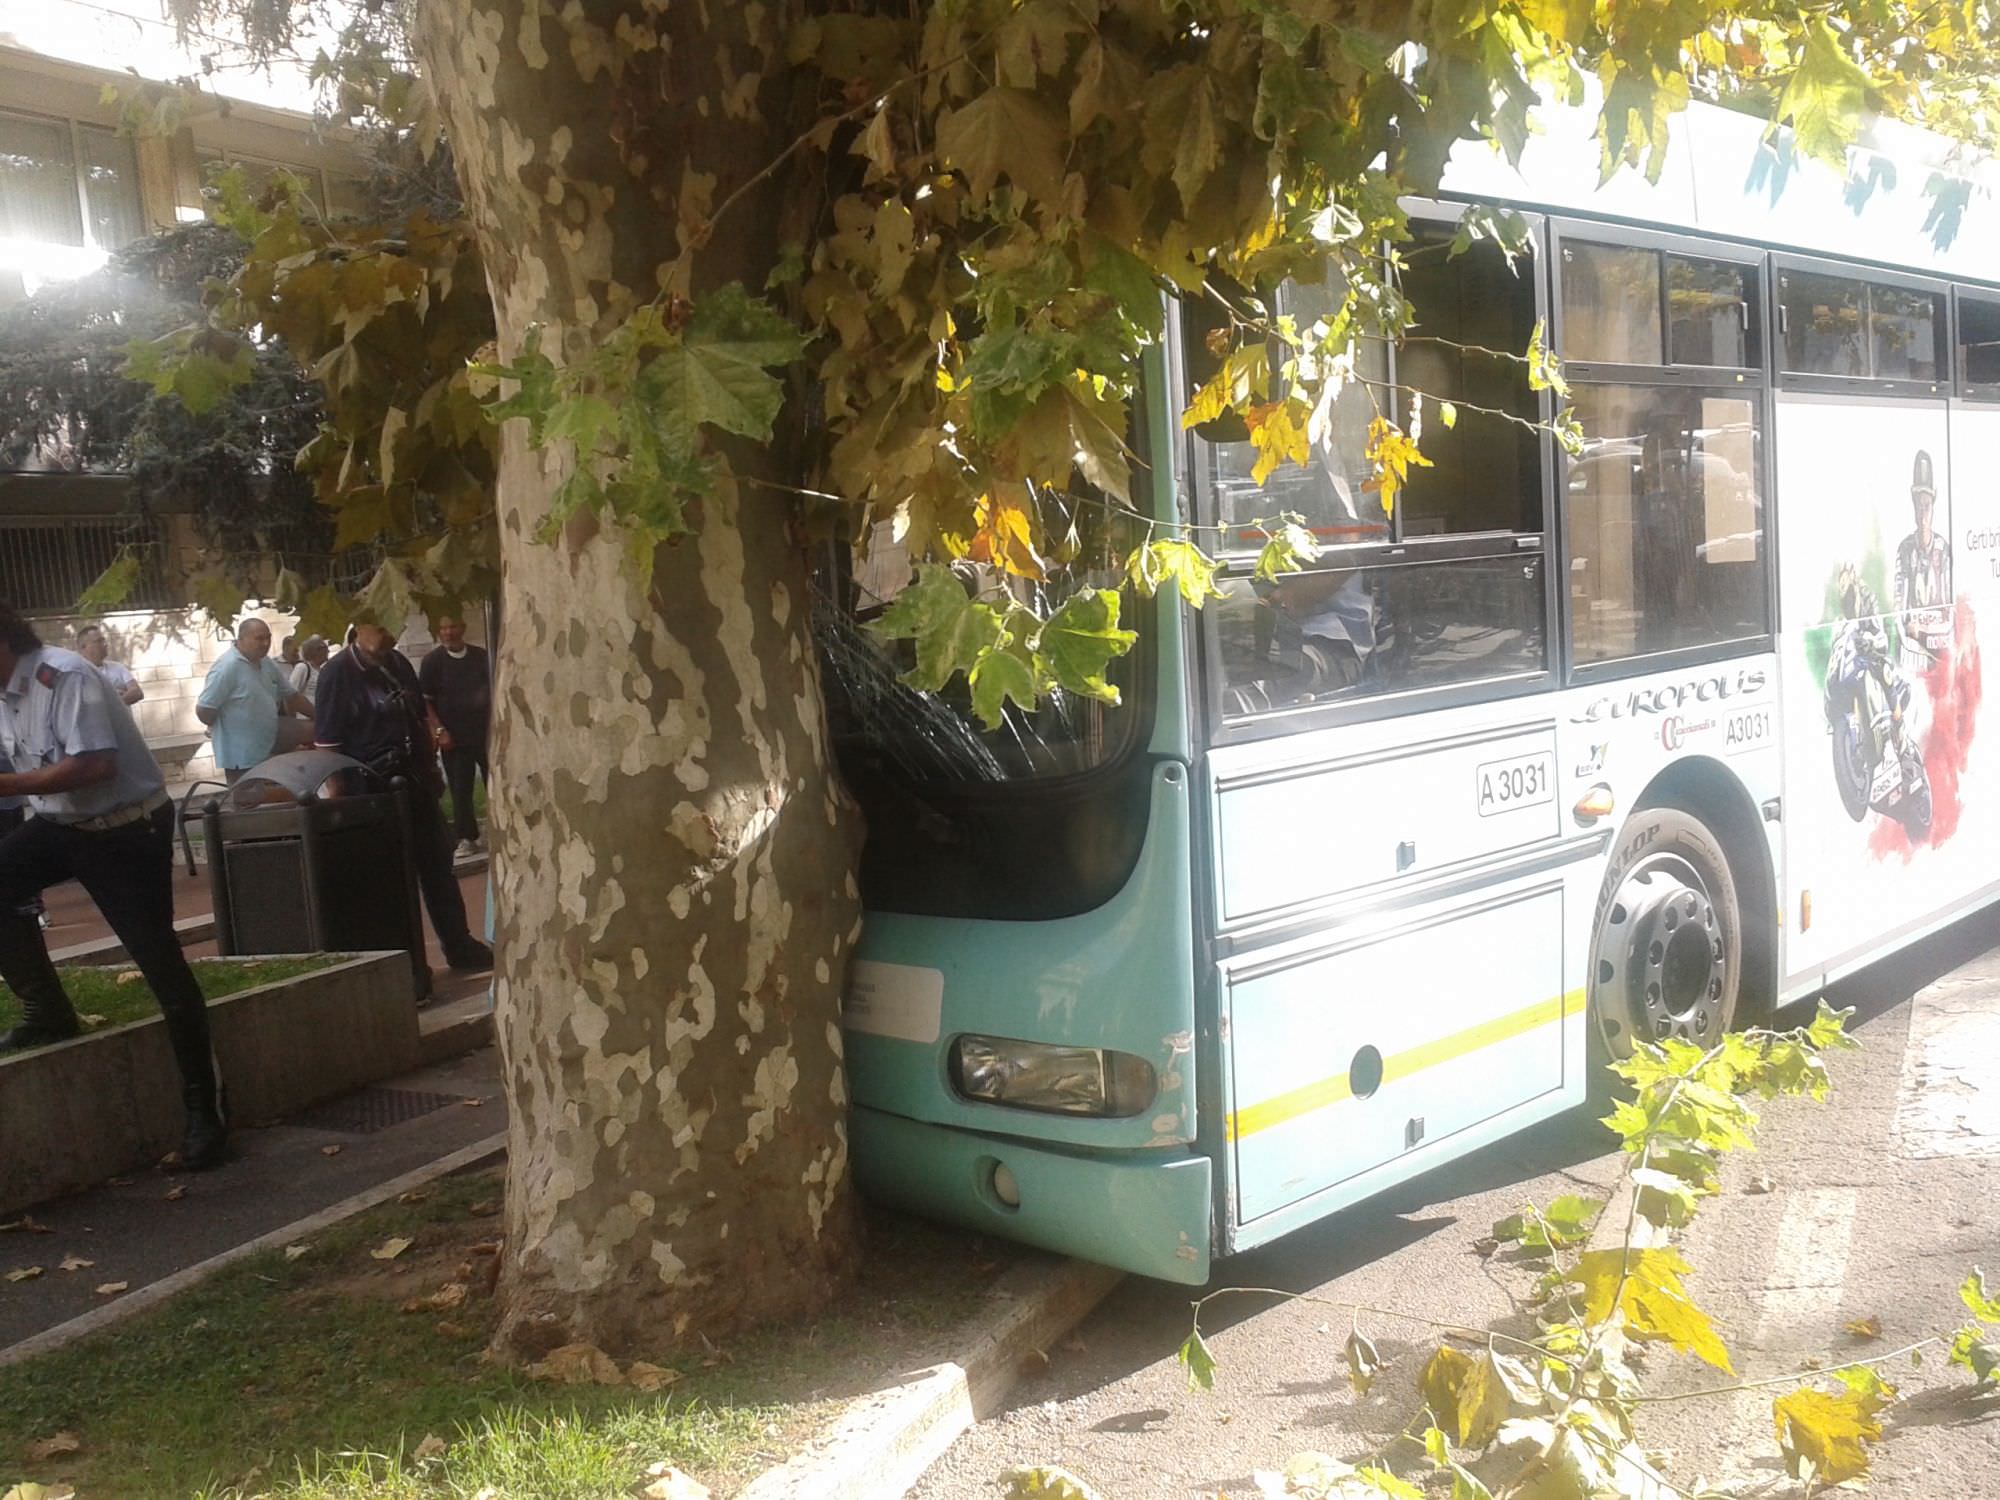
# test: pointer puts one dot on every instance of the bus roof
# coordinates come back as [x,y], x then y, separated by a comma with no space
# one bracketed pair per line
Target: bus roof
[1721,178]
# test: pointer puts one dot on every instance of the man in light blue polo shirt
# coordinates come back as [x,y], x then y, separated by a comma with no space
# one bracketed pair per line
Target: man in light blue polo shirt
[249,707]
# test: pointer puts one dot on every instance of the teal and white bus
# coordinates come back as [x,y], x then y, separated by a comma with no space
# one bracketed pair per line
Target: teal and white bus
[1375,861]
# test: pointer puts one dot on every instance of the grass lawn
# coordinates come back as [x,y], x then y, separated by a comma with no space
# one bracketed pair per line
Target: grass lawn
[119,994]
[303,1379]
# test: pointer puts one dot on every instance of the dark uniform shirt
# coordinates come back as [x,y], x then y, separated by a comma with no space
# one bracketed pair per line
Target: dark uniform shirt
[373,713]
[461,691]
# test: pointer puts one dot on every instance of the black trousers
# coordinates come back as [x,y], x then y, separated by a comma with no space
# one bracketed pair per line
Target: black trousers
[442,897]
[460,761]
[129,873]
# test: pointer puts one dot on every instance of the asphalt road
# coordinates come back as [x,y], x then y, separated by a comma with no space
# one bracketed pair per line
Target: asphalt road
[1875,1204]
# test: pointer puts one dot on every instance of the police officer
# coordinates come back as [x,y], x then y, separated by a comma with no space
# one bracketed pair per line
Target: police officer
[101,817]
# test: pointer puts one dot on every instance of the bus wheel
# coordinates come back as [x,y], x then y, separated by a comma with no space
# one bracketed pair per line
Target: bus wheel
[1667,957]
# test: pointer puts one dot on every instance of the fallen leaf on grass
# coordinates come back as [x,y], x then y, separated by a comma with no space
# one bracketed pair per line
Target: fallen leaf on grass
[392,1247]
[177,1192]
[1869,1327]
[431,1447]
[415,1195]
[90,1022]
[644,1377]
[673,1484]
[75,1263]
[329,1151]
[293,1252]
[485,1208]
[26,1273]
[130,976]
[444,1299]
[53,1447]
[578,1364]
[112,1288]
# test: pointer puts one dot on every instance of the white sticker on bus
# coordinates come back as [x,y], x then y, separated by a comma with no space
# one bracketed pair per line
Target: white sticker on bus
[1521,781]
[901,1001]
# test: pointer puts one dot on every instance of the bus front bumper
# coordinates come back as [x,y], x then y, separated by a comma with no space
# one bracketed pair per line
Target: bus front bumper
[1143,1212]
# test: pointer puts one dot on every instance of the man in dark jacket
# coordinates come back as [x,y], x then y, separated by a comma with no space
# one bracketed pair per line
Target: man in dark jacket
[458,685]
[371,707]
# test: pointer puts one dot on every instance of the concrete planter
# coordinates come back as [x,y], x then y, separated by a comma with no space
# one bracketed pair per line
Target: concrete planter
[110,1102]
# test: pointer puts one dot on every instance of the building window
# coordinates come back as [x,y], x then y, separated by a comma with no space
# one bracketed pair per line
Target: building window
[44,199]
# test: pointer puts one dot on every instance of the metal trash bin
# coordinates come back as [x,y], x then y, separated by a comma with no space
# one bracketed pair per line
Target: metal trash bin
[294,870]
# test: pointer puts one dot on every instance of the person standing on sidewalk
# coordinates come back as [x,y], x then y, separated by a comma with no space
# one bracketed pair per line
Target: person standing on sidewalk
[95,649]
[101,817]
[371,707]
[246,702]
[312,661]
[458,684]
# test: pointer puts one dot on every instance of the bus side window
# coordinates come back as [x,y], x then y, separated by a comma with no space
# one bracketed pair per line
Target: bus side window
[1665,504]
[1978,341]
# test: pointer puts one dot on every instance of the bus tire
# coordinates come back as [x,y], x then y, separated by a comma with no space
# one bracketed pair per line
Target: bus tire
[1666,955]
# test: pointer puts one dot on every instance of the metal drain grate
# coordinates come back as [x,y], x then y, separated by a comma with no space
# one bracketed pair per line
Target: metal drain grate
[368,1110]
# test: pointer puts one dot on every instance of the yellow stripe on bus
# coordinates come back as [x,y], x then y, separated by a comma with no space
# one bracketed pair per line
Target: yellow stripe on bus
[1318,1095]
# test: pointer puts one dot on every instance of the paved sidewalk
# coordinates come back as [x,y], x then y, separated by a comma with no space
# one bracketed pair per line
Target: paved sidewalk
[136,1230]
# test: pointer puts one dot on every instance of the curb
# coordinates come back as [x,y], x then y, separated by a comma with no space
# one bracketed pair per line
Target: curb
[109,950]
[159,1291]
[885,1441]
[444,1036]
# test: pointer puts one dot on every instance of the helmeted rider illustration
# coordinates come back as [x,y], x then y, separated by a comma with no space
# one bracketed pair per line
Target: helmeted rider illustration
[1877,762]
[1923,573]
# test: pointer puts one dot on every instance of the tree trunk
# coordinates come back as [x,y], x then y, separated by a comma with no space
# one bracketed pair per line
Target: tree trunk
[674,858]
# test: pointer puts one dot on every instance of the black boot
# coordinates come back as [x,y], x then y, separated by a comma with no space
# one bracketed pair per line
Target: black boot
[202,1146]
[38,1034]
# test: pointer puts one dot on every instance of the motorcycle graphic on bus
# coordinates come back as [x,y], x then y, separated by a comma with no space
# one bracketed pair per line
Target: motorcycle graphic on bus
[1877,762]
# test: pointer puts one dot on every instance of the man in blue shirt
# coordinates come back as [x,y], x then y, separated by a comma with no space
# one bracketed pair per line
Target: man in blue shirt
[250,708]
[69,747]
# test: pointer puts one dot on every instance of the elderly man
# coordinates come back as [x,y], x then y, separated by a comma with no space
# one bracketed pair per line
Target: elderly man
[458,684]
[312,661]
[95,649]
[372,708]
[103,818]
[249,707]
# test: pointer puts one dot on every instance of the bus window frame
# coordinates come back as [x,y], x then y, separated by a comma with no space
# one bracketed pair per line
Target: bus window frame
[1854,385]
[1543,543]
[1986,392]
[1759,381]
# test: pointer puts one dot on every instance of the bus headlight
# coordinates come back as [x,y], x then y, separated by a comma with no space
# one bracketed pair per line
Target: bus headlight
[1055,1080]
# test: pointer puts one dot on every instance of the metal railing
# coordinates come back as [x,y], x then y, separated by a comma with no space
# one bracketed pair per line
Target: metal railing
[46,562]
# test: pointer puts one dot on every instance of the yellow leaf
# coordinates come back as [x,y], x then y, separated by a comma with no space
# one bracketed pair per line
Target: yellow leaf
[1004,537]
[1645,1286]
[578,1364]
[25,1273]
[1869,1327]
[1443,1375]
[75,1263]
[392,1247]
[1278,433]
[112,1288]
[1392,452]
[1482,1403]
[1823,1435]
[642,1376]
[1245,376]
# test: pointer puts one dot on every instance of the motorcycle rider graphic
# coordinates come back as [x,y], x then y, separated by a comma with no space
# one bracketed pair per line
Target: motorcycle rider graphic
[1877,761]
[1923,574]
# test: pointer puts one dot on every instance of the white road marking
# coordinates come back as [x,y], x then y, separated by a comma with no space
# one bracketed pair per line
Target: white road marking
[1799,1304]
[1949,1101]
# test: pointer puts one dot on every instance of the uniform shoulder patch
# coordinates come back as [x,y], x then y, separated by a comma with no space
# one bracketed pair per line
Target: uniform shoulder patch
[47,675]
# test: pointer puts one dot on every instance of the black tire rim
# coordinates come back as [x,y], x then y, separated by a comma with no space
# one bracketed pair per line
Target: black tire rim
[1662,958]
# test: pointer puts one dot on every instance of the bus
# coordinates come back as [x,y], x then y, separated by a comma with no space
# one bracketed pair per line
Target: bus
[1377,862]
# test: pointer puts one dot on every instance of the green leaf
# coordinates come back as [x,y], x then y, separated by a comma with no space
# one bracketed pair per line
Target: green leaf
[218,595]
[112,587]
[1826,98]
[1081,640]
[1464,1486]
[1385,1483]
[719,373]
[1437,1446]
[1174,562]
[385,600]
[950,630]
[1045,1482]
[1971,1351]
[1000,674]
[1973,1294]
[1199,1362]
[1005,132]
[1288,547]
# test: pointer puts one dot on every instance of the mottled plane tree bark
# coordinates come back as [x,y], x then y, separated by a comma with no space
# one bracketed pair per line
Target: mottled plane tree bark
[674,857]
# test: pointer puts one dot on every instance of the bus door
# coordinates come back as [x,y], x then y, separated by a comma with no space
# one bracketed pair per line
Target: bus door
[1387,881]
